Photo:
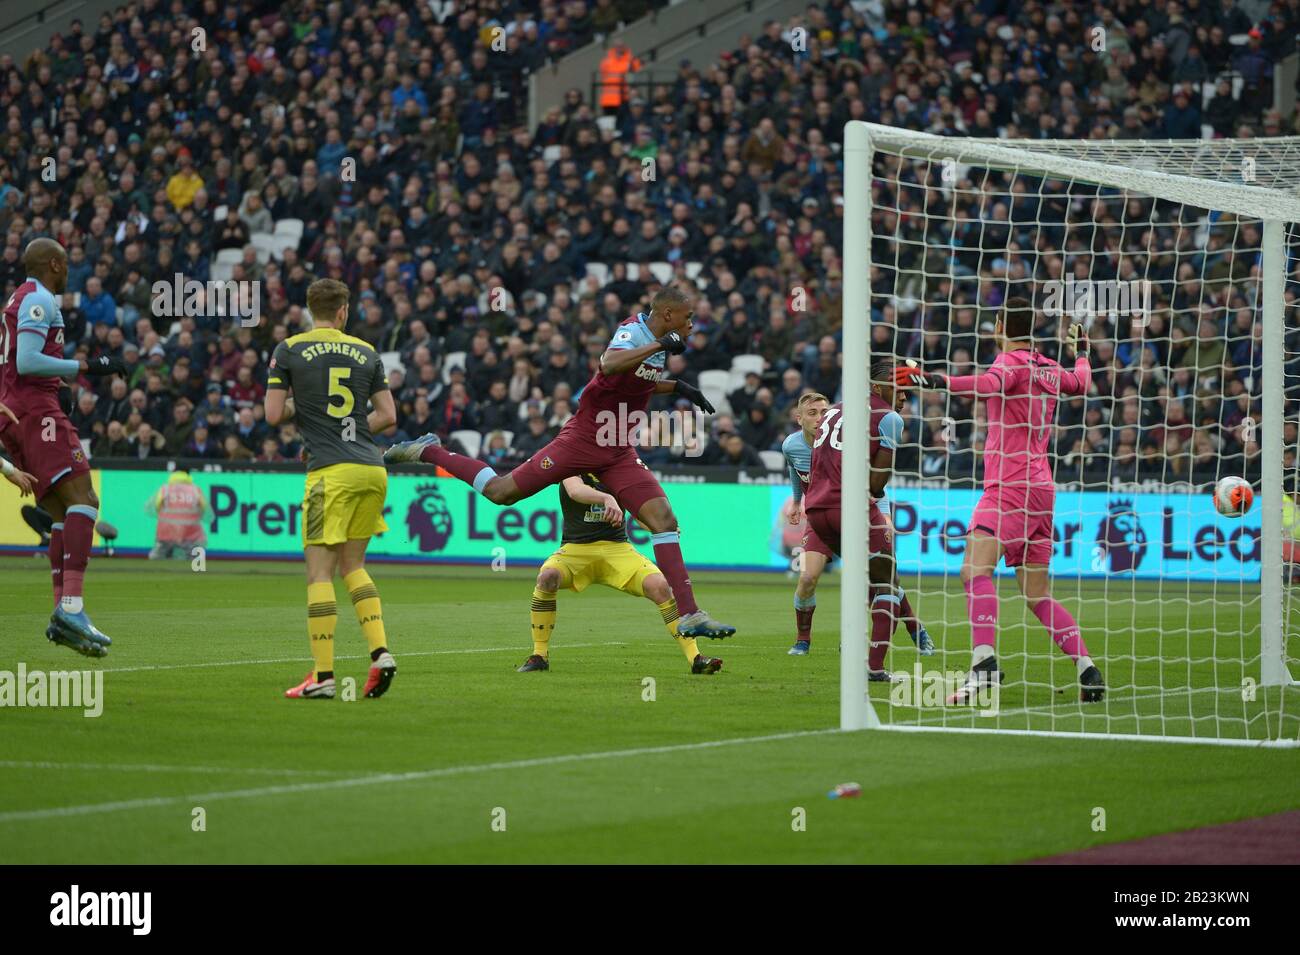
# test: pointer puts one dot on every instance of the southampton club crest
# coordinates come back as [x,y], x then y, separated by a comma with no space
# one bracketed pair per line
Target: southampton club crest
[428,519]
[1120,539]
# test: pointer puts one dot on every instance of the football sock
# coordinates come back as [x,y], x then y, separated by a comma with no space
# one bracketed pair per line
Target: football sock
[905,611]
[668,555]
[370,614]
[1060,624]
[884,609]
[322,618]
[470,470]
[56,560]
[668,610]
[543,620]
[78,536]
[803,614]
[982,609]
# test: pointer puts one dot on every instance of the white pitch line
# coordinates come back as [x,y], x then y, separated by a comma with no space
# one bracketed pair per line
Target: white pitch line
[159,768]
[90,809]
[415,653]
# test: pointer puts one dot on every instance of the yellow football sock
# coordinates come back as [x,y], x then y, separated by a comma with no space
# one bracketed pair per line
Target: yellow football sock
[669,611]
[365,601]
[543,620]
[322,617]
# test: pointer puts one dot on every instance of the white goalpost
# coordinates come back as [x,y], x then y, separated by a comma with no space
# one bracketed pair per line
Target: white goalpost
[1175,256]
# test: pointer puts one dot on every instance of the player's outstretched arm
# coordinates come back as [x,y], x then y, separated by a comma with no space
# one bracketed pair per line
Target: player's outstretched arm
[278,406]
[583,493]
[20,479]
[32,360]
[384,414]
[687,391]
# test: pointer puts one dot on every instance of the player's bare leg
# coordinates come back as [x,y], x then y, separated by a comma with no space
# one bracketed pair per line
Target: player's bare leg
[541,616]
[983,551]
[370,616]
[811,566]
[656,589]
[656,516]
[1035,586]
[428,449]
[74,506]
[322,619]
[884,614]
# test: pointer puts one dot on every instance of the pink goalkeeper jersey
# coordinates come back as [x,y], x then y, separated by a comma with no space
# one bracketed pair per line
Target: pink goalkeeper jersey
[1020,391]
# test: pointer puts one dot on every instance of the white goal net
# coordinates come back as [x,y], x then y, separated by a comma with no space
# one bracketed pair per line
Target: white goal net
[1182,261]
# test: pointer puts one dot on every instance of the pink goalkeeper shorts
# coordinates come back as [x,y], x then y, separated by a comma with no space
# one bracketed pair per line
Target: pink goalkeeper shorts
[1020,517]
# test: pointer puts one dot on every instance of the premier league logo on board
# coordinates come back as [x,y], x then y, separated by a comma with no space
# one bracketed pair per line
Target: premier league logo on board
[1120,539]
[428,519]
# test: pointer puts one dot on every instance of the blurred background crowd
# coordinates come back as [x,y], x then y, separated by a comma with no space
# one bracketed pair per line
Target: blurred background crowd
[385,144]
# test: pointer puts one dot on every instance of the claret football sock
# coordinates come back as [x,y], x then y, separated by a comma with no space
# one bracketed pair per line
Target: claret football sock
[804,607]
[470,470]
[322,618]
[370,614]
[78,536]
[542,617]
[56,560]
[909,617]
[668,555]
[884,608]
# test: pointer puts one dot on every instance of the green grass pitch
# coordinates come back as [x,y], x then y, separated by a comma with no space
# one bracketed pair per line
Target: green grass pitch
[575,765]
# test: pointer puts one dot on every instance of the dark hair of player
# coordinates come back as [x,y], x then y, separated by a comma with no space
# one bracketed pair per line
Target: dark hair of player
[1017,318]
[882,371]
[669,296]
[325,297]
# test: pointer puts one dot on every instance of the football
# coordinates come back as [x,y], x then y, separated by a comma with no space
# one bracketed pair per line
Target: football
[1233,497]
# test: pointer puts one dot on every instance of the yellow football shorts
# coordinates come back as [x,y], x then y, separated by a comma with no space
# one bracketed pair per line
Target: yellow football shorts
[343,502]
[616,565]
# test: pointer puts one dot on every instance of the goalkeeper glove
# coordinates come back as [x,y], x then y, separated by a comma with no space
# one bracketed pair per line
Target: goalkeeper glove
[1076,344]
[105,365]
[65,400]
[908,377]
[672,343]
[693,395]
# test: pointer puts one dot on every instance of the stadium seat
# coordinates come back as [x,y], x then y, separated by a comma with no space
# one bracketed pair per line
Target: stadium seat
[291,227]
[633,271]
[744,364]
[391,360]
[774,460]
[599,271]
[220,212]
[551,154]
[228,256]
[509,436]
[718,398]
[607,124]
[693,270]
[662,271]
[453,359]
[221,271]
[715,378]
[281,242]
[471,441]
[264,243]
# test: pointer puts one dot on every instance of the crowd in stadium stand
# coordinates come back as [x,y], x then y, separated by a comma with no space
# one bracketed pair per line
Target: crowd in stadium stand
[175,157]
